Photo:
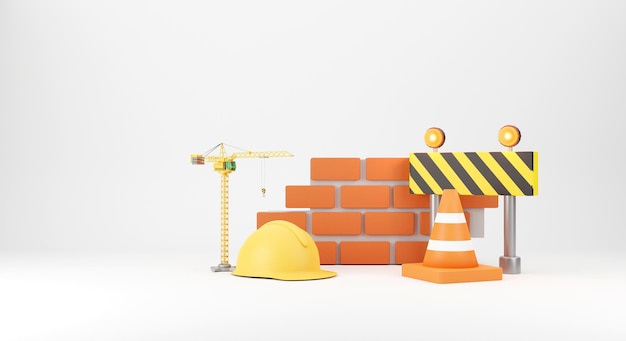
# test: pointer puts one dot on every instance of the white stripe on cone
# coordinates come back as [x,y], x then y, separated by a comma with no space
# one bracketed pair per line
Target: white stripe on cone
[450,218]
[450,245]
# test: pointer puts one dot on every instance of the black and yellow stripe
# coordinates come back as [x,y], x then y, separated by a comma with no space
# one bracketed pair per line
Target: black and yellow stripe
[474,173]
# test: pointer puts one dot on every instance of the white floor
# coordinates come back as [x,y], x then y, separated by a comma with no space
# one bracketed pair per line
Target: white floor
[144,297]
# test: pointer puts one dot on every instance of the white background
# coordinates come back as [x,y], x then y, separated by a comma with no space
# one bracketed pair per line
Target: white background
[101,103]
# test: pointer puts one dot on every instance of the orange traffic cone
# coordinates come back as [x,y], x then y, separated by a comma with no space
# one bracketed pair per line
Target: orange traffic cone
[450,255]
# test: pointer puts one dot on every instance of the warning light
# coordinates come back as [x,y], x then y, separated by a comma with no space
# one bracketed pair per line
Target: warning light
[509,136]
[434,137]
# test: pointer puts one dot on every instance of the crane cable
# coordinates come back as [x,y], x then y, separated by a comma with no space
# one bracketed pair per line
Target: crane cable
[208,152]
[263,176]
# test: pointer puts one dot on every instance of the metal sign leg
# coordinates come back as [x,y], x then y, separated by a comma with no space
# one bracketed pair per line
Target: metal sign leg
[510,263]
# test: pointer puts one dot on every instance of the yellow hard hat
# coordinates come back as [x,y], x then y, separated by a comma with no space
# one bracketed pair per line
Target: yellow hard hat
[280,250]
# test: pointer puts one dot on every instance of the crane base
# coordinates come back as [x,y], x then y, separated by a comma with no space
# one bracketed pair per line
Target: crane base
[223,268]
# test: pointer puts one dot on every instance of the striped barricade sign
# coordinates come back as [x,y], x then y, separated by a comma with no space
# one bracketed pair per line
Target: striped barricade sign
[474,173]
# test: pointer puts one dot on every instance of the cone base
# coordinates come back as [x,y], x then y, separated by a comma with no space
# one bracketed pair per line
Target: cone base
[451,275]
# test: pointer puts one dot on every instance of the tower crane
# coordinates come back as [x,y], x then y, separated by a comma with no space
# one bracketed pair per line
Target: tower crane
[224,165]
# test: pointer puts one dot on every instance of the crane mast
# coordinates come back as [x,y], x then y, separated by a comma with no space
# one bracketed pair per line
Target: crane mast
[224,165]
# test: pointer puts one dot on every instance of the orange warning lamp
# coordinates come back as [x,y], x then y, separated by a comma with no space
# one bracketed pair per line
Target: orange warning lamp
[434,137]
[509,136]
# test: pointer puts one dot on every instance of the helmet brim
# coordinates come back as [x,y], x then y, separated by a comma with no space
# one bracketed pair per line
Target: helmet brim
[296,275]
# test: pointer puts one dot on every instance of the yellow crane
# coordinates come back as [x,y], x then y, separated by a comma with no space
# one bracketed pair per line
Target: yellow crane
[224,165]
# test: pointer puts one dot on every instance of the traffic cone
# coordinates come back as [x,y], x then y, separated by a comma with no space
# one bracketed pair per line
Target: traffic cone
[450,255]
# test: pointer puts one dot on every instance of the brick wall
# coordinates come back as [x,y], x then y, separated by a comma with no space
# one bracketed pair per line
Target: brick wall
[360,211]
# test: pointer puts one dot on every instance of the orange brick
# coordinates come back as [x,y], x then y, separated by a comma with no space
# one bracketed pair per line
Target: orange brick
[424,222]
[479,201]
[365,196]
[387,168]
[388,223]
[335,169]
[336,223]
[410,252]
[364,253]
[328,252]
[310,196]
[402,198]
[298,218]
